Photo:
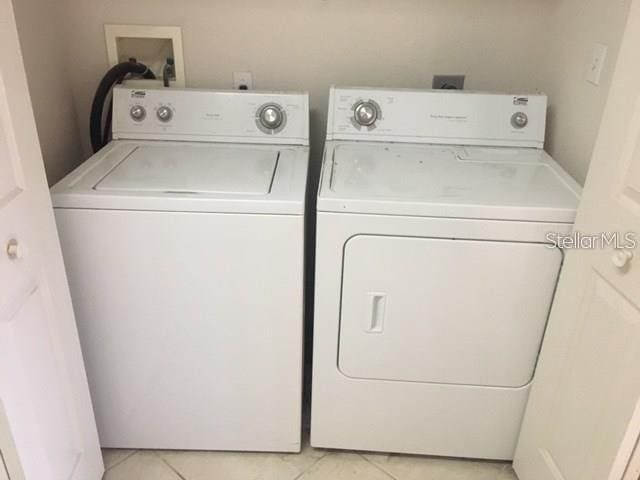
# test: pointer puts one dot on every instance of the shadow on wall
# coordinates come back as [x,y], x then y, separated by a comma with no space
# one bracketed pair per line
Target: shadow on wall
[317,118]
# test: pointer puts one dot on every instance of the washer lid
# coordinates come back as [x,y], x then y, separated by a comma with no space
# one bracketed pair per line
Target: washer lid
[189,177]
[458,182]
[193,169]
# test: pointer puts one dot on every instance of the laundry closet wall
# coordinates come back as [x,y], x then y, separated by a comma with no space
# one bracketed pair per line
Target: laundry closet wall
[565,45]
[311,44]
[41,29]
[508,45]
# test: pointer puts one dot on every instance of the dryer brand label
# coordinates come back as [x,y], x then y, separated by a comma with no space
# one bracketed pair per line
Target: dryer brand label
[138,93]
[450,118]
[520,100]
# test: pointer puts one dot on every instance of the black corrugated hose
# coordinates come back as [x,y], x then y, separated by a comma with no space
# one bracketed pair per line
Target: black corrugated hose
[99,133]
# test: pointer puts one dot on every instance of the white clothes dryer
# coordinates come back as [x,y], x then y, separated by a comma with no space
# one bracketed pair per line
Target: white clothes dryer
[434,269]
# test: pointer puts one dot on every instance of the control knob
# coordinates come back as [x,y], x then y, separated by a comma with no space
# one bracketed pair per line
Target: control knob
[365,113]
[271,116]
[164,114]
[138,113]
[519,120]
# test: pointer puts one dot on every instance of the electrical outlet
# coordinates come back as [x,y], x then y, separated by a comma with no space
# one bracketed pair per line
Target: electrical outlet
[243,80]
[596,63]
[448,82]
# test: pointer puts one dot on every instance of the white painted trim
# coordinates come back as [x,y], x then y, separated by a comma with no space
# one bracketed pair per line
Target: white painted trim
[628,452]
[633,469]
[9,461]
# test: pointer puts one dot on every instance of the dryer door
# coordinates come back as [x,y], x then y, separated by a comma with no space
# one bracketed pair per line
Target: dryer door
[450,311]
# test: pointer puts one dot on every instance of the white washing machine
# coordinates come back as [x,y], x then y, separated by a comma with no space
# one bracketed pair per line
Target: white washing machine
[434,272]
[184,240]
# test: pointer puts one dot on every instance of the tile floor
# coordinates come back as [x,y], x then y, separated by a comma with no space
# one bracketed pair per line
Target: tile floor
[311,464]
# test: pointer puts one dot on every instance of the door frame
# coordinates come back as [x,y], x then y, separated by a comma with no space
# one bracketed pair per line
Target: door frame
[9,461]
[634,466]
[628,457]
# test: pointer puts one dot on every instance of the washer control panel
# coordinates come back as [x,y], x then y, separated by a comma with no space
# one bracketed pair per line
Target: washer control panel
[437,116]
[207,115]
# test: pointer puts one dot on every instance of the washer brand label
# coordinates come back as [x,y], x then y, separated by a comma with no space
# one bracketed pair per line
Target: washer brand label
[521,100]
[138,93]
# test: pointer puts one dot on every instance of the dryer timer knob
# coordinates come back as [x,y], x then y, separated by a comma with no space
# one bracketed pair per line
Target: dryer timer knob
[519,120]
[365,113]
[271,116]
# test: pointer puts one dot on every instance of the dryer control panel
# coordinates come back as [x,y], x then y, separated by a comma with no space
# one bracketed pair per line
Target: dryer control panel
[210,116]
[437,116]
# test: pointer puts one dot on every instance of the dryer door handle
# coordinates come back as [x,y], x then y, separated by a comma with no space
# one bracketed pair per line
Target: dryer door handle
[376,306]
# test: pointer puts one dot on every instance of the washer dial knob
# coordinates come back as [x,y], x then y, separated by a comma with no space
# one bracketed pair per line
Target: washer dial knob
[271,116]
[138,113]
[519,120]
[164,114]
[366,113]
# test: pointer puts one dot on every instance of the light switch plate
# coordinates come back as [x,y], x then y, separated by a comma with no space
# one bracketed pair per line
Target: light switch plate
[148,44]
[596,63]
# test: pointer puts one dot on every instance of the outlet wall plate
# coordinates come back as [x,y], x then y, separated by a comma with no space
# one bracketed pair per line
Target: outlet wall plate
[596,63]
[150,45]
[242,79]
[452,82]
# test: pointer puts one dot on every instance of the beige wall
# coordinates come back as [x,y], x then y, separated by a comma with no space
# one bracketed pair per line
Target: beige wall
[509,45]
[576,106]
[43,41]
[293,44]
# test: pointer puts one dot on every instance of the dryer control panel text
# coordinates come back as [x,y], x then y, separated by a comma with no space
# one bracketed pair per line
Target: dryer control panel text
[437,116]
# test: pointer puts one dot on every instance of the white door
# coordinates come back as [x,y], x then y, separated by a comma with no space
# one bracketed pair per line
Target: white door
[583,419]
[46,416]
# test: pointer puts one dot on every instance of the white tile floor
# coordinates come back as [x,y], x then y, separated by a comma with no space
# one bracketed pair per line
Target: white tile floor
[311,464]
